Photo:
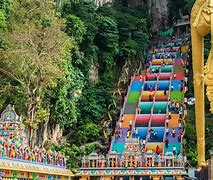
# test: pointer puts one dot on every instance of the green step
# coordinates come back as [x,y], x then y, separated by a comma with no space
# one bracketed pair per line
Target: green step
[133,97]
[176,95]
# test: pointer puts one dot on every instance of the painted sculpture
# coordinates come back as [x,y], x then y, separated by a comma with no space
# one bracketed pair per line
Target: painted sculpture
[13,142]
[201,23]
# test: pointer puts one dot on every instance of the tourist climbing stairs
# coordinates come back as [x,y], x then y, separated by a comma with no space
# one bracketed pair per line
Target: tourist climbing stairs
[149,130]
[151,108]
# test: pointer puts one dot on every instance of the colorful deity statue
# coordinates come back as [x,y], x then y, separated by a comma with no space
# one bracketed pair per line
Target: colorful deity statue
[1,140]
[59,156]
[1,150]
[6,148]
[13,141]
[12,151]
[9,114]
[26,153]
[44,154]
[54,156]
[20,153]
[6,126]
[48,156]
[201,25]
[40,156]
[35,153]
[63,160]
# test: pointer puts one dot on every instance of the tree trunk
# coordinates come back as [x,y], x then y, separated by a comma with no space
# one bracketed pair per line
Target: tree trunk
[33,101]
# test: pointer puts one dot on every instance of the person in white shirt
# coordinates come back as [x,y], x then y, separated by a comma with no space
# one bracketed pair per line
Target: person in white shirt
[179,124]
[130,124]
[136,131]
[144,143]
[174,149]
[186,80]
[122,118]
[172,88]
[167,131]
[120,124]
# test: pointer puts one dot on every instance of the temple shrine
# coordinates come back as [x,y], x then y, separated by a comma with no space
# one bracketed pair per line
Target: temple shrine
[147,142]
[18,160]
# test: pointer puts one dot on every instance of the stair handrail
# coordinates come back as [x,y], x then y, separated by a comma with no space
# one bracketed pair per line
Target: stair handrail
[124,103]
[123,107]
[138,106]
[154,98]
[152,109]
[181,150]
[139,100]
[168,99]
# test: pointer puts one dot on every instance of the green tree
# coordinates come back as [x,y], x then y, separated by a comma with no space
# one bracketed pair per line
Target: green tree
[34,49]
[62,100]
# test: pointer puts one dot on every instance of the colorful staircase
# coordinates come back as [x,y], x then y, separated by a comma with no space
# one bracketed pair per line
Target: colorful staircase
[154,106]
[128,114]
[148,133]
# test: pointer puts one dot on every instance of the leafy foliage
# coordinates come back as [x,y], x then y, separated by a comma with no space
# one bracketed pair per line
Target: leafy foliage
[31,57]
[47,60]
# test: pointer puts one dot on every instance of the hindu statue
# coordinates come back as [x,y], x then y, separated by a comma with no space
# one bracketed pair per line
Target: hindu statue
[201,23]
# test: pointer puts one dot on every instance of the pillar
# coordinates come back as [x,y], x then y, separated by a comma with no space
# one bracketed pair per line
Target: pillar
[179,178]
[84,178]
[210,168]
[156,177]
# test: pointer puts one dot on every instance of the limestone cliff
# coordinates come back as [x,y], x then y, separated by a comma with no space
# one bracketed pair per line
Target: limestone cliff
[159,12]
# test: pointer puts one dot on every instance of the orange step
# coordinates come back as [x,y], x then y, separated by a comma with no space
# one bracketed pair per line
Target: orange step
[173,122]
[127,119]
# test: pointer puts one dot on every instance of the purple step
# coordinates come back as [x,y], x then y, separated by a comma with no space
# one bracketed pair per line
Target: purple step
[171,138]
[123,135]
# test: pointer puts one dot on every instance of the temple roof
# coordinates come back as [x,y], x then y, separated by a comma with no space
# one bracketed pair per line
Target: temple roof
[140,171]
[27,166]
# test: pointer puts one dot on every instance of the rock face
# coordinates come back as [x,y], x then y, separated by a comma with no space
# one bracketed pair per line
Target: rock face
[159,12]
[93,73]
[49,133]
[102,2]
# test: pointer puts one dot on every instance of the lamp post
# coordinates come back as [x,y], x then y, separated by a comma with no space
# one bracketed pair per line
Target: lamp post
[191,101]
